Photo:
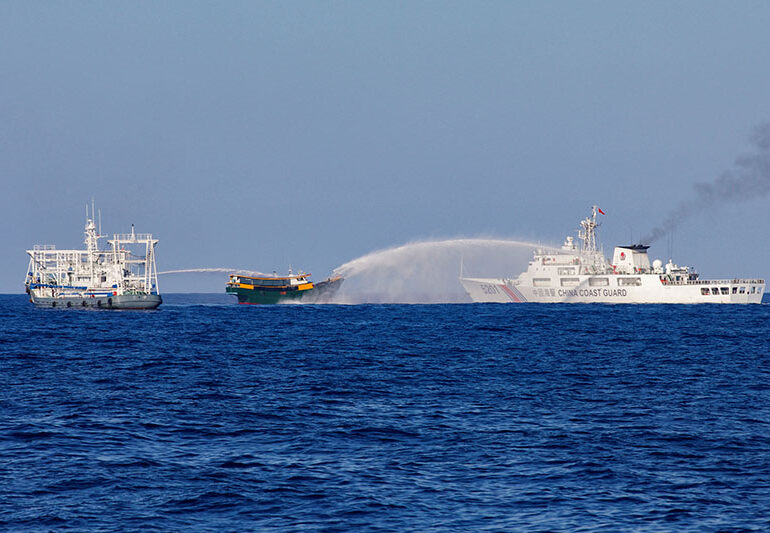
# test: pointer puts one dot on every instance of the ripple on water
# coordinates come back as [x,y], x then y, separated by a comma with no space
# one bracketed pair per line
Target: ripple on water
[403,417]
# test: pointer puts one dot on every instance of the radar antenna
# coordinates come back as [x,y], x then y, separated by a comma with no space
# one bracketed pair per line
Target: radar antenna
[588,233]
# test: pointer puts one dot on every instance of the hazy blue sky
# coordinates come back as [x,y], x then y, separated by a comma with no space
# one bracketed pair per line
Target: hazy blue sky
[258,134]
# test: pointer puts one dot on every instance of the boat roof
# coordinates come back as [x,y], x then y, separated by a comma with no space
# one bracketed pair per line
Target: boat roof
[297,276]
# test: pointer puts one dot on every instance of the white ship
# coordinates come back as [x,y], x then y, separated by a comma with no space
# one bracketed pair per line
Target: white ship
[123,276]
[583,275]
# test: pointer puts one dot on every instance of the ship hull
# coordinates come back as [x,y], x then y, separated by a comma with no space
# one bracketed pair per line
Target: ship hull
[650,290]
[122,301]
[321,292]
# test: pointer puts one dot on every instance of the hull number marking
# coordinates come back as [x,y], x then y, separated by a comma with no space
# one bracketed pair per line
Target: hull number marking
[489,288]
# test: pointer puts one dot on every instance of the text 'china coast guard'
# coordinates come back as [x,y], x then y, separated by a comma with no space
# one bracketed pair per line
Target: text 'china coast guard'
[583,275]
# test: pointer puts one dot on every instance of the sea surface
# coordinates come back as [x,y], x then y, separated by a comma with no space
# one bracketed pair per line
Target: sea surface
[207,416]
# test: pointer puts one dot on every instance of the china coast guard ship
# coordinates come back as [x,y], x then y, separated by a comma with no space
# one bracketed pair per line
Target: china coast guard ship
[583,275]
[121,277]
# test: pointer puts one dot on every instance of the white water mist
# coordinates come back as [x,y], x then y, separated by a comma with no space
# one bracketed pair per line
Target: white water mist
[216,269]
[428,271]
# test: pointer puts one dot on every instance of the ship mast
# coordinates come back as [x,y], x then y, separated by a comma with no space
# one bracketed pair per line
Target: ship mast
[92,238]
[588,234]
[92,243]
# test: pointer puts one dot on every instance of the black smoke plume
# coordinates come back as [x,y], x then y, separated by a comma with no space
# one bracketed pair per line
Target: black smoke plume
[748,179]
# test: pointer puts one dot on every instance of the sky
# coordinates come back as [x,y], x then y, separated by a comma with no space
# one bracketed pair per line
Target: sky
[259,135]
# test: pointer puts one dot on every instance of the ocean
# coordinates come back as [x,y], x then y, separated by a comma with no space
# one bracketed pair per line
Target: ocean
[208,416]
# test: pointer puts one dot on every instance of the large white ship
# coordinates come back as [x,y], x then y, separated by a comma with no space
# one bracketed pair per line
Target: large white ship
[123,276]
[583,275]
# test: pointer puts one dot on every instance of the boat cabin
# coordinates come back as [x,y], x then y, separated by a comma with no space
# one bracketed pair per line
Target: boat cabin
[300,281]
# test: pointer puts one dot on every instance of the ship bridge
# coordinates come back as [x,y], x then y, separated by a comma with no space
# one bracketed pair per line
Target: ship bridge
[631,259]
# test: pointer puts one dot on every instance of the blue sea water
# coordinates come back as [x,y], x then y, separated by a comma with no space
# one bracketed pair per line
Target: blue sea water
[208,416]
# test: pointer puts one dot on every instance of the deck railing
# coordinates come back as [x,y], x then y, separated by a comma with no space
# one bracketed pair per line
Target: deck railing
[129,237]
[735,281]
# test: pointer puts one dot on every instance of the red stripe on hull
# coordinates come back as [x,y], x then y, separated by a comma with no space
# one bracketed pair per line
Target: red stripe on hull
[510,294]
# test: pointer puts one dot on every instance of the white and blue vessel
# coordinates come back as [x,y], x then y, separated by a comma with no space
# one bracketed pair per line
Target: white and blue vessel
[123,276]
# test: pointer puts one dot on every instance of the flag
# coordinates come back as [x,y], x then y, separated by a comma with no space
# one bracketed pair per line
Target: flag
[600,209]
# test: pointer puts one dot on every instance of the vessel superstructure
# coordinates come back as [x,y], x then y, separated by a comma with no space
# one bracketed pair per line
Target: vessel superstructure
[276,289]
[582,274]
[123,276]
